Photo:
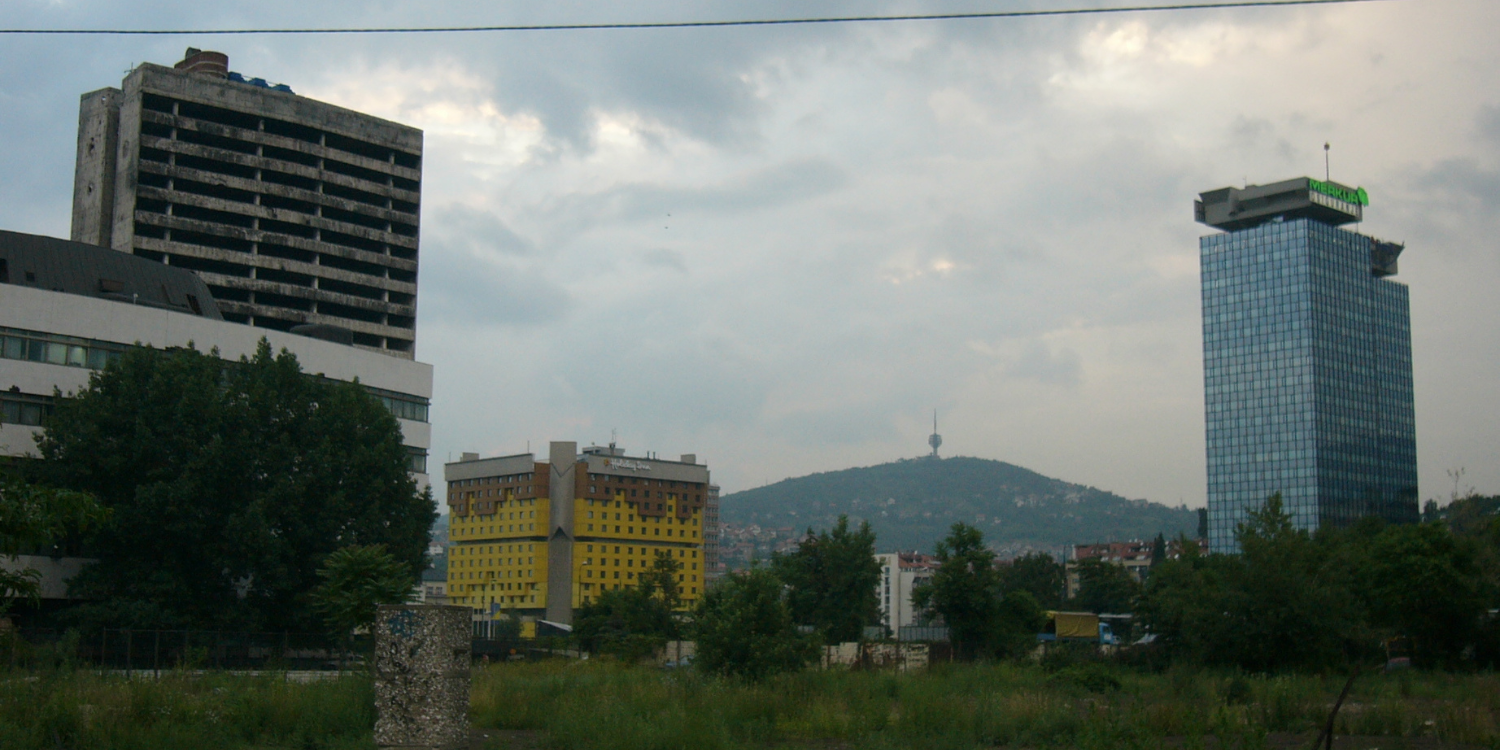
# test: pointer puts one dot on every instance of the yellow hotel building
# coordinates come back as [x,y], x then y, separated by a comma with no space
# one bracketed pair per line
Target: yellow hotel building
[542,538]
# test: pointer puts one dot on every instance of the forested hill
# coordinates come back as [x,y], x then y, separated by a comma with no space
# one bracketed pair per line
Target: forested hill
[912,503]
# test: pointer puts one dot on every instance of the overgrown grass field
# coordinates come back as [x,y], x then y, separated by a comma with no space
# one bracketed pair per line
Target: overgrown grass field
[609,706]
[83,710]
[613,707]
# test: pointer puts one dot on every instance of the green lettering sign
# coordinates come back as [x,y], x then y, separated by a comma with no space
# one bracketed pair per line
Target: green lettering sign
[1357,196]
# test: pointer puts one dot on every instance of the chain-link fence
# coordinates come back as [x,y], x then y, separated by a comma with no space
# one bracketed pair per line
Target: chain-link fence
[161,650]
[157,650]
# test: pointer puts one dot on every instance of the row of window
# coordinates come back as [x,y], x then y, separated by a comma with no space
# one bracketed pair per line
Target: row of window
[513,528]
[604,516]
[500,492]
[481,518]
[507,600]
[24,408]
[508,479]
[174,222]
[656,531]
[72,351]
[52,349]
[490,550]
[642,480]
[690,593]
[295,131]
[405,409]
[241,205]
[154,225]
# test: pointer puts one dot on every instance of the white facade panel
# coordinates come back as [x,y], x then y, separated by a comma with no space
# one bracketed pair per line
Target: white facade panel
[43,311]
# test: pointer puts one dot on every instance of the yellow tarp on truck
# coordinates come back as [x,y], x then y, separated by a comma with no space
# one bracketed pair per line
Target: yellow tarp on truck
[1075,624]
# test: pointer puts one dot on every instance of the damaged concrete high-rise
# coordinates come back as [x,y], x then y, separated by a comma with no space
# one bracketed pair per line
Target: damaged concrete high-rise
[299,215]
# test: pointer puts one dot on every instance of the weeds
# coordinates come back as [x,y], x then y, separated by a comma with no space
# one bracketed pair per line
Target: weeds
[1071,703]
[84,710]
[602,704]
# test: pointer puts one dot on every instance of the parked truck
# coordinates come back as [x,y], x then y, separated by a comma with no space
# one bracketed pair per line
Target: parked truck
[1077,627]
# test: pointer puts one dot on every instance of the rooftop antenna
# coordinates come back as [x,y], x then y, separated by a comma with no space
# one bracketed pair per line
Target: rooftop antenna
[1327,171]
[936,439]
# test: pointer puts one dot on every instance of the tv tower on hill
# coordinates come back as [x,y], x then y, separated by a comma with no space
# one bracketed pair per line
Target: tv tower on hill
[936,439]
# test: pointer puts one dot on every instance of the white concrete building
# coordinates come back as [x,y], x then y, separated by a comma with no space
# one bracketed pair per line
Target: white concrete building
[900,573]
[67,309]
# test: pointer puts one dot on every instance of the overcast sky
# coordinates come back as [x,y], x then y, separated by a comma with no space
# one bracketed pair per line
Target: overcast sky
[782,248]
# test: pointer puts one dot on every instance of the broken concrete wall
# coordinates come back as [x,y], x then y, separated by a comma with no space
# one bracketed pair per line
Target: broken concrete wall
[422,677]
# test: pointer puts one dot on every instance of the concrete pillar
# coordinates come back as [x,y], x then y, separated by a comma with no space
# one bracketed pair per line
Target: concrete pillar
[562,456]
[422,677]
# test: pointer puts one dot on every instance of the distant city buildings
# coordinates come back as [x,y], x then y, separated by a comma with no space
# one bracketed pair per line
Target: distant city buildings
[740,546]
[538,539]
[1134,556]
[900,574]
[294,212]
[1307,360]
[432,588]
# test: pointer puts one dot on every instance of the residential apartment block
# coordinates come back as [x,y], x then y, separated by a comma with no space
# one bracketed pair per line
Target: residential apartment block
[294,212]
[538,539]
[900,574]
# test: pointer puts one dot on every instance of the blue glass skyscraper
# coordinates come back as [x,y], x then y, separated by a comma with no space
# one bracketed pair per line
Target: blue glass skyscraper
[1306,358]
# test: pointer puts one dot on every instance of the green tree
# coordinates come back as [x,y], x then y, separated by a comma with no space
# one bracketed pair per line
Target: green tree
[356,581]
[633,622]
[1476,521]
[663,581]
[32,520]
[229,484]
[1021,618]
[1281,603]
[1293,609]
[965,591]
[745,629]
[831,579]
[1186,601]
[1038,575]
[1103,587]
[1422,582]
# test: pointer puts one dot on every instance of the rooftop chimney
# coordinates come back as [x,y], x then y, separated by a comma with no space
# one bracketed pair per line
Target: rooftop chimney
[204,63]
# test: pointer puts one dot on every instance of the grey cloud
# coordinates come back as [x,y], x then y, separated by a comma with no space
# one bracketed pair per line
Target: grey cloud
[664,258]
[853,424]
[805,169]
[1038,362]
[479,232]
[654,371]
[1463,177]
[1488,121]
[779,185]
[472,275]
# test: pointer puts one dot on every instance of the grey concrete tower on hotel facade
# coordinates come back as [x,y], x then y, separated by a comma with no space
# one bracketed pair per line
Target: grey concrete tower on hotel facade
[299,215]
